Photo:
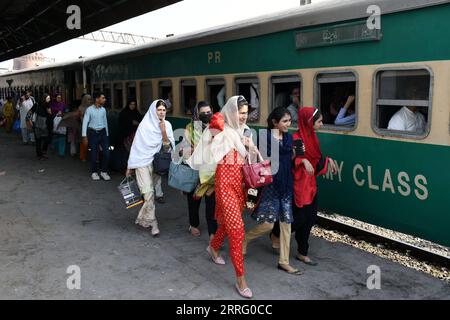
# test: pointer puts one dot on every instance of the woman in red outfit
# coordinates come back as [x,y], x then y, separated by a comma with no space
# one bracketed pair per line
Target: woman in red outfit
[306,169]
[223,148]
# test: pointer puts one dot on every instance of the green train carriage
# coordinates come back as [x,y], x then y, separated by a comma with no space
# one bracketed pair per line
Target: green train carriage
[396,180]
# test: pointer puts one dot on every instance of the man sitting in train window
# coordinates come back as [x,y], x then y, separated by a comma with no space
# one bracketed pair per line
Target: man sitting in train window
[336,96]
[346,115]
[409,118]
[169,102]
[295,105]
[221,97]
[253,112]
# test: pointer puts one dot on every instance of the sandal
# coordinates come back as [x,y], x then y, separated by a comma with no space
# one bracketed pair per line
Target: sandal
[293,271]
[310,262]
[194,231]
[246,293]
[219,260]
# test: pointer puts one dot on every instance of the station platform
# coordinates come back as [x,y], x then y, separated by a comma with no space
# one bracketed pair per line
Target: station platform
[52,216]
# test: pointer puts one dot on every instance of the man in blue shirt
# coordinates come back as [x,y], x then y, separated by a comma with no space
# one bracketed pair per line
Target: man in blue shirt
[95,132]
[346,115]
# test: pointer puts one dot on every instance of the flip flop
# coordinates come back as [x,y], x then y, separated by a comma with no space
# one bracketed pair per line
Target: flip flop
[246,293]
[294,271]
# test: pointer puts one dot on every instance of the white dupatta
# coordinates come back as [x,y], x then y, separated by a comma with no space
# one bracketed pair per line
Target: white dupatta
[148,139]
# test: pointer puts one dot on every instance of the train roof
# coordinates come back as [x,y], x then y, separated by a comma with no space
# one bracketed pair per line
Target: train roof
[305,16]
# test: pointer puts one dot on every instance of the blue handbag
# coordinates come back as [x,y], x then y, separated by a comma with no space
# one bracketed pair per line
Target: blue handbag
[183,177]
[16,126]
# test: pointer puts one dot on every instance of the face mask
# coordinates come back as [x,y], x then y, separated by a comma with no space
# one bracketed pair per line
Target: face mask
[205,117]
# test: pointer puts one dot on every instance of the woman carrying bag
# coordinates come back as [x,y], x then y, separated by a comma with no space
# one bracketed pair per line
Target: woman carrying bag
[201,118]
[222,149]
[154,134]
[42,125]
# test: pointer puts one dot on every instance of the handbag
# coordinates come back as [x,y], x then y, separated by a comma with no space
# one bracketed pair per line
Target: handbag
[130,192]
[182,177]
[161,162]
[16,126]
[257,174]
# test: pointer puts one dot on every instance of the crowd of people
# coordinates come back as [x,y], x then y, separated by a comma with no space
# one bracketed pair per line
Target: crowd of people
[218,148]
[218,145]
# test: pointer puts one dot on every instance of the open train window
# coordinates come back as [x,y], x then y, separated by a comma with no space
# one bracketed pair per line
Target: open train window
[146,96]
[286,92]
[118,96]
[131,90]
[402,99]
[107,91]
[336,96]
[249,88]
[188,95]
[216,93]
[166,93]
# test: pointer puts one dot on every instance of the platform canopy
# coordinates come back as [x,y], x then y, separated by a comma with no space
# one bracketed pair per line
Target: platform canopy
[27,26]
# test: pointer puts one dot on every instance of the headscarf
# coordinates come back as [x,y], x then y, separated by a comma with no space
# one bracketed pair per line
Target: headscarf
[148,139]
[57,106]
[194,133]
[85,103]
[213,146]
[308,135]
[305,185]
[126,118]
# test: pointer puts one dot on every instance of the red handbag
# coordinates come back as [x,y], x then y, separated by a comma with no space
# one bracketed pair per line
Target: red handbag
[258,174]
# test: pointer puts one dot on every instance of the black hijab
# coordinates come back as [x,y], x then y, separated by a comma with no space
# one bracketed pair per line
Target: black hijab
[126,118]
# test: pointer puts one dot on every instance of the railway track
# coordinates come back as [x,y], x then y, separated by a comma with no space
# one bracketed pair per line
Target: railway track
[387,242]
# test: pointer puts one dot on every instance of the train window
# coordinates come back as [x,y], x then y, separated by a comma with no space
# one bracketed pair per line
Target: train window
[165,93]
[286,92]
[249,88]
[146,95]
[131,90]
[216,93]
[118,96]
[188,95]
[96,88]
[336,96]
[107,91]
[402,100]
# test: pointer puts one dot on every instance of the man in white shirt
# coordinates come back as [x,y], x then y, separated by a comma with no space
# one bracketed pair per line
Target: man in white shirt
[24,105]
[408,119]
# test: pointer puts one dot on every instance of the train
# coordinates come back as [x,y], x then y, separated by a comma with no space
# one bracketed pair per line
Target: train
[388,54]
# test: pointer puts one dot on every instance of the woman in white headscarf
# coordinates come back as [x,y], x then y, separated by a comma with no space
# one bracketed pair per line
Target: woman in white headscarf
[153,133]
[222,149]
